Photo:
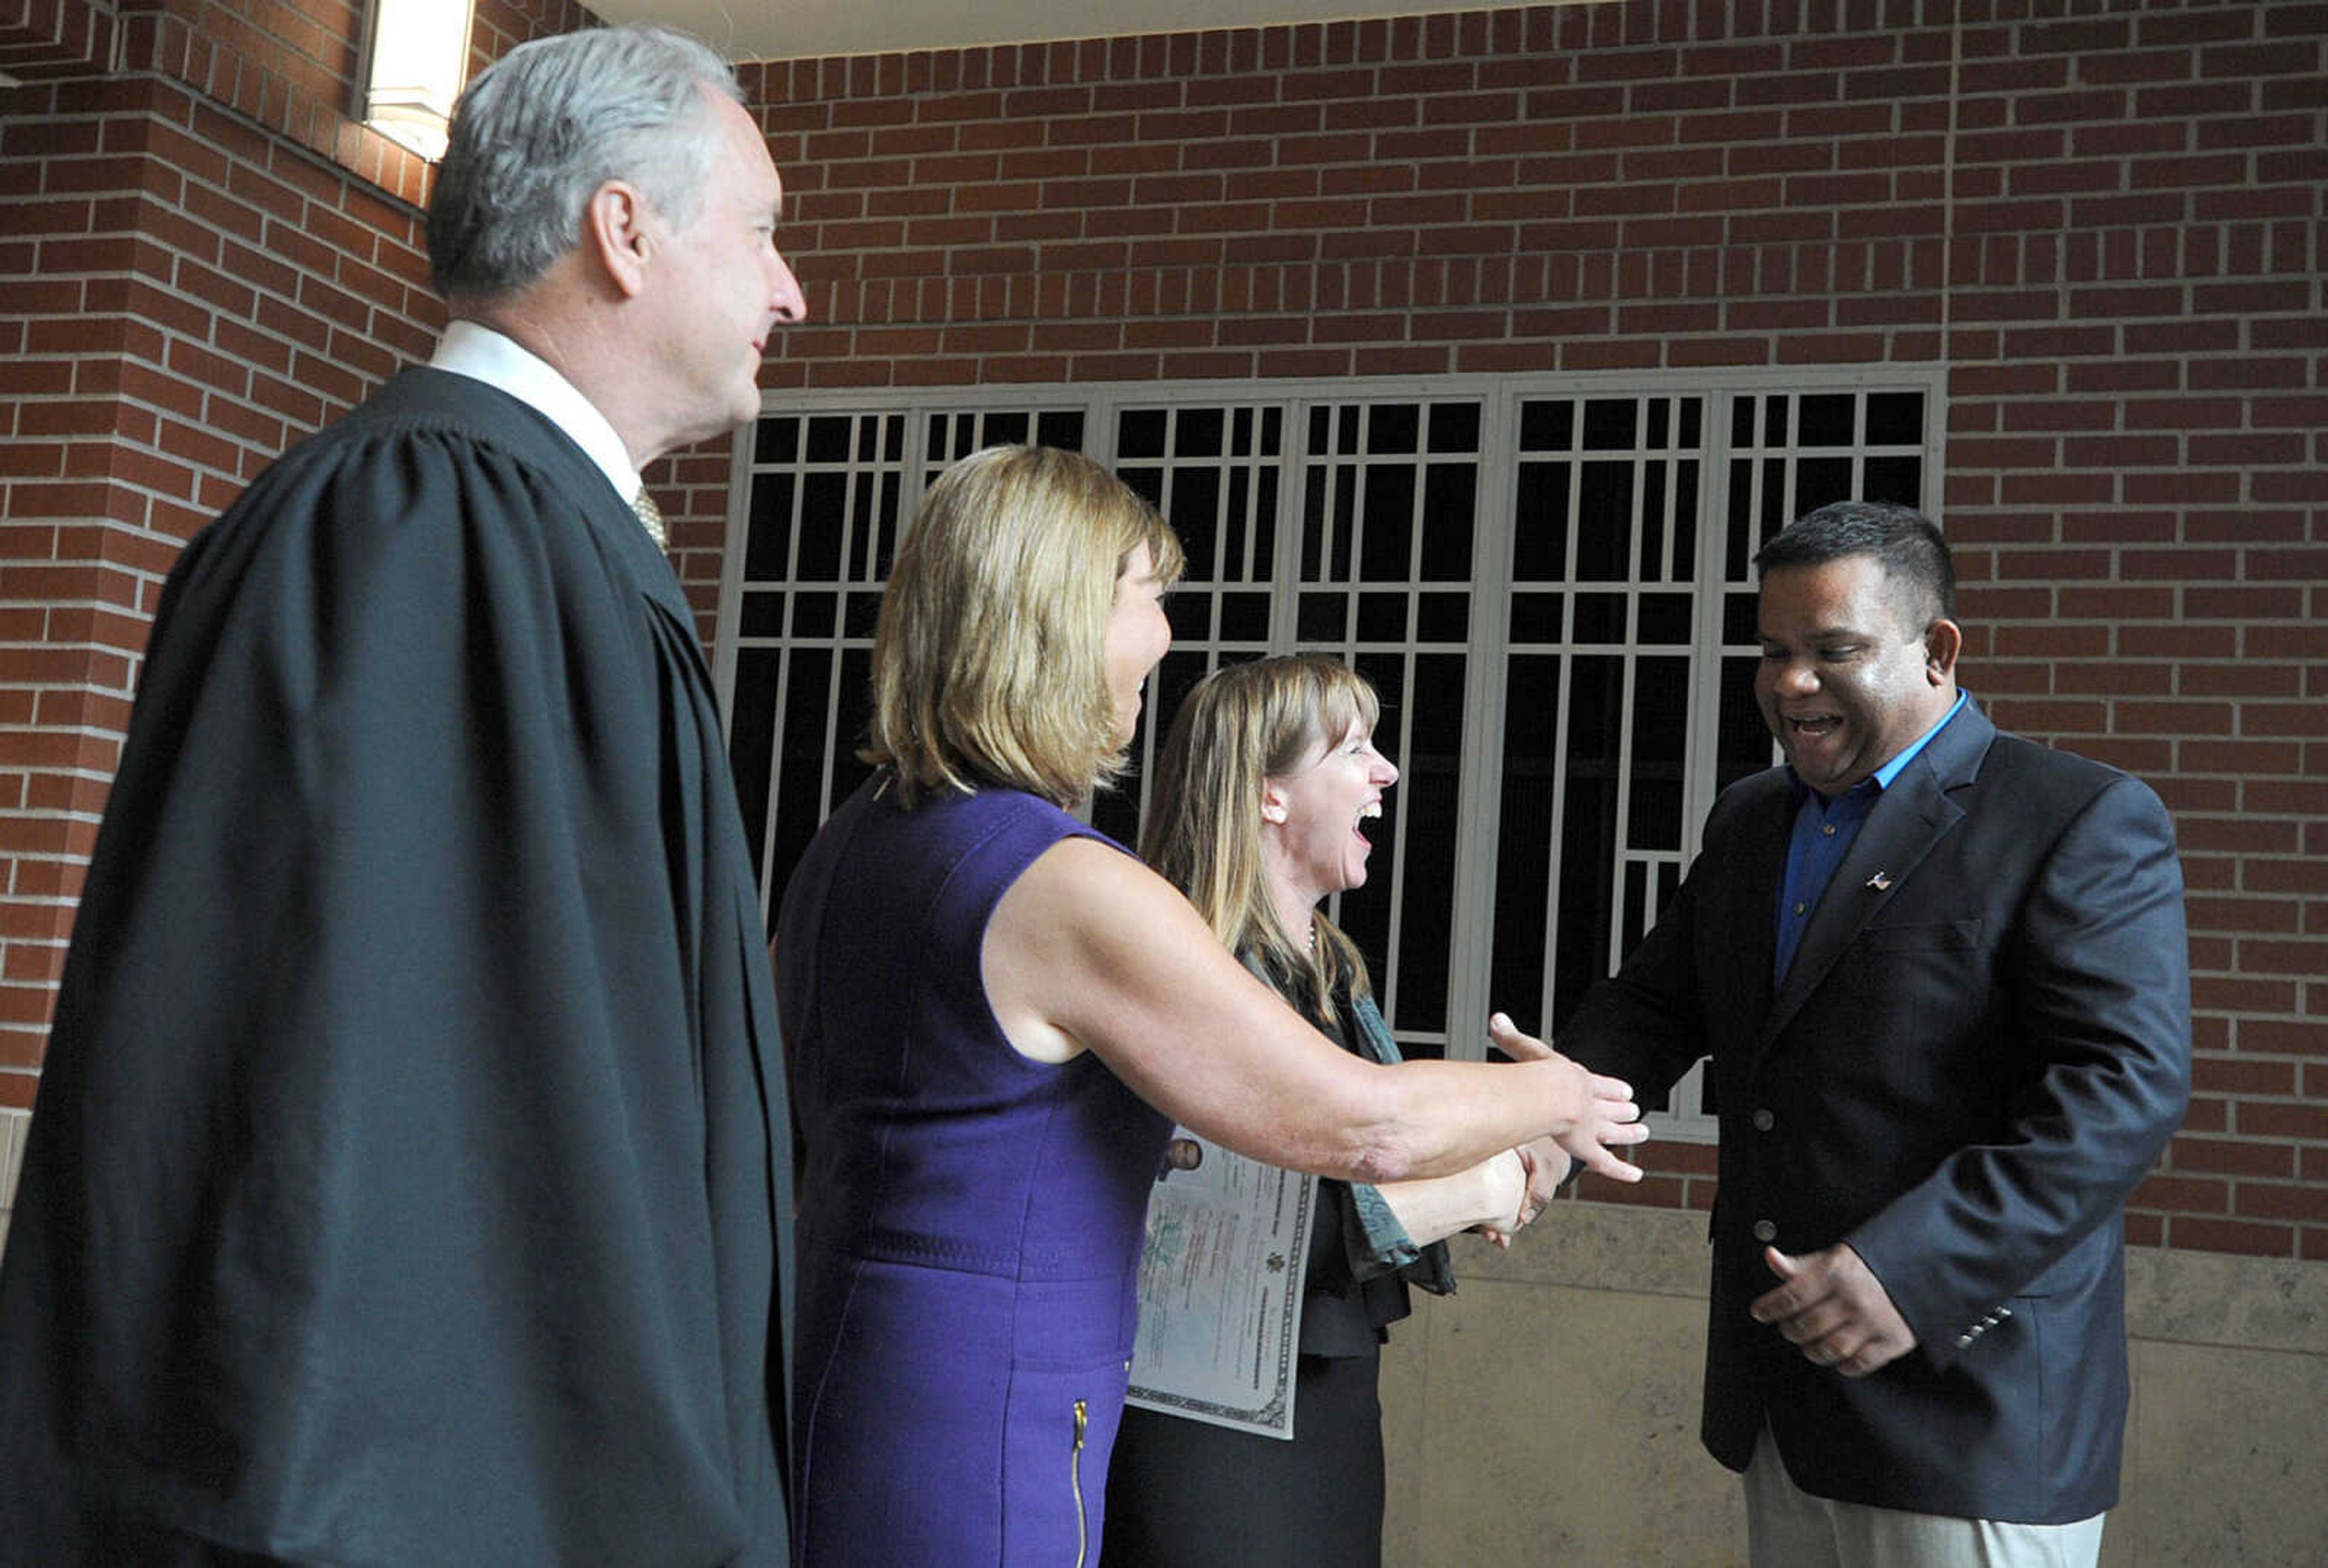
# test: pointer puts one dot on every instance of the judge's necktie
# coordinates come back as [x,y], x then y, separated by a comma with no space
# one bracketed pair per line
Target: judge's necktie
[650,516]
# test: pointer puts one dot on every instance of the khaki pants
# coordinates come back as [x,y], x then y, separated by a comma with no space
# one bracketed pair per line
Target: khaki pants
[1787,1527]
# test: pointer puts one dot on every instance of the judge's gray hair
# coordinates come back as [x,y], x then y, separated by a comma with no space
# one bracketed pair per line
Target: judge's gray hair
[547,125]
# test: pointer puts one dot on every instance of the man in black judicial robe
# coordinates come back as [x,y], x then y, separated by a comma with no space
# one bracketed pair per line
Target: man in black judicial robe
[410,1156]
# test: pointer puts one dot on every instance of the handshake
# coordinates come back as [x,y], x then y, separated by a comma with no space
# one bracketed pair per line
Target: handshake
[1498,1197]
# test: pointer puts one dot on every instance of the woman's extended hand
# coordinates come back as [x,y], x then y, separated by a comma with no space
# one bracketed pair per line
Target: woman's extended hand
[1610,1118]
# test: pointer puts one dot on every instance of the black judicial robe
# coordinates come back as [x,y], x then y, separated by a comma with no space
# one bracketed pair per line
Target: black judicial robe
[405,1181]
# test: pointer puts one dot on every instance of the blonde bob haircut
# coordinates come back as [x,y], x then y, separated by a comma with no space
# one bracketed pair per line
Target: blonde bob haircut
[1241,727]
[989,659]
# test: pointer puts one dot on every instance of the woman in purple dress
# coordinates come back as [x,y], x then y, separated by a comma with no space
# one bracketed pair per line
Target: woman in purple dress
[993,1015]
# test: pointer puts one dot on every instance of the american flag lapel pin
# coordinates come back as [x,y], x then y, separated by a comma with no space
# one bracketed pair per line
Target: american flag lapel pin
[1880,881]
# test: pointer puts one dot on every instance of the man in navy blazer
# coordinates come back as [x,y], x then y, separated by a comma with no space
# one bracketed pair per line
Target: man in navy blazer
[1942,976]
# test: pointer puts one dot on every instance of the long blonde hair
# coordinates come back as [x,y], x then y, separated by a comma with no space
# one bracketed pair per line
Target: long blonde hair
[1242,726]
[990,658]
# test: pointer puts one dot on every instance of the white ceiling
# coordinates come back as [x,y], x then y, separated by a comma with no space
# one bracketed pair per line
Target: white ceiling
[798,29]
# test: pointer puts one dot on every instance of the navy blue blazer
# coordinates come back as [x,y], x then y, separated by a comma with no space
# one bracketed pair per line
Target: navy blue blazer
[1982,1046]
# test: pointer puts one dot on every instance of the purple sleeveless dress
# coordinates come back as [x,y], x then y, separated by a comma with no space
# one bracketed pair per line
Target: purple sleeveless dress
[971,1219]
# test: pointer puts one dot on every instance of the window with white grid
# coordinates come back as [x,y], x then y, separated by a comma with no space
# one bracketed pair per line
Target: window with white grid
[1549,580]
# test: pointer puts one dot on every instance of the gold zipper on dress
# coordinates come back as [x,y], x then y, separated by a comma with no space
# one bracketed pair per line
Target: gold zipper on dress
[1076,1480]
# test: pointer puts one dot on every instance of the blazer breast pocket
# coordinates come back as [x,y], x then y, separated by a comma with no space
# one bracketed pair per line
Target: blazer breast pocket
[1926,936]
[1936,978]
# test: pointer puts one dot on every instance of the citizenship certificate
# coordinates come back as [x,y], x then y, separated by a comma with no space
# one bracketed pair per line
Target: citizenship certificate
[1220,1288]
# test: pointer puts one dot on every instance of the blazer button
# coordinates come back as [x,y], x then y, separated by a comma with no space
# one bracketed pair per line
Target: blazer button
[1764,1121]
[1764,1231]
[1963,1341]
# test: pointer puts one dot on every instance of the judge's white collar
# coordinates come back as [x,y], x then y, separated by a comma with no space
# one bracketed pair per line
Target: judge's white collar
[485,355]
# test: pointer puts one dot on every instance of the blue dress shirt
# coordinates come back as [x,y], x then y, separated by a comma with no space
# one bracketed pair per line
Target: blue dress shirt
[1823,833]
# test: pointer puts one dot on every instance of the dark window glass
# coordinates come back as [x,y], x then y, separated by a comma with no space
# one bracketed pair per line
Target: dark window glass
[1345,516]
[798,802]
[1244,617]
[1381,617]
[1744,745]
[1232,528]
[768,536]
[1895,419]
[1819,479]
[752,743]
[1601,619]
[1321,618]
[1685,561]
[1660,724]
[824,522]
[1140,433]
[1313,512]
[1652,565]
[1604,524]
[1198,432]
[865,506]
[777,440]
[1741,540]
[1535,618]
[830,437]
[1774,515]
[1191,615]
[1540,526]
[1435,716]
[1547,427]
[887,551]
[1825,420]
[1900,479]
[1454,427]
[1587,830]
[1265,534]
[1450,507]
[1388,551]
[1196,518]
[815,613]
[1663,619]
[1442,618]
[1394,427]
[1610,424]
[1144,482]
[1428,885]
[1524,837]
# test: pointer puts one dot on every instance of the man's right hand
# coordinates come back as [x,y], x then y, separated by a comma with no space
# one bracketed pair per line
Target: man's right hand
[1611,1119]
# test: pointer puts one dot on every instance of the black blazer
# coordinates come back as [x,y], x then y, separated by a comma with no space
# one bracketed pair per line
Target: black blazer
[1981,1047]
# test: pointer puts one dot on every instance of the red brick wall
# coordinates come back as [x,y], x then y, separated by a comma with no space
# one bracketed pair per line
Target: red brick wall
[2109,220]
[204,260]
